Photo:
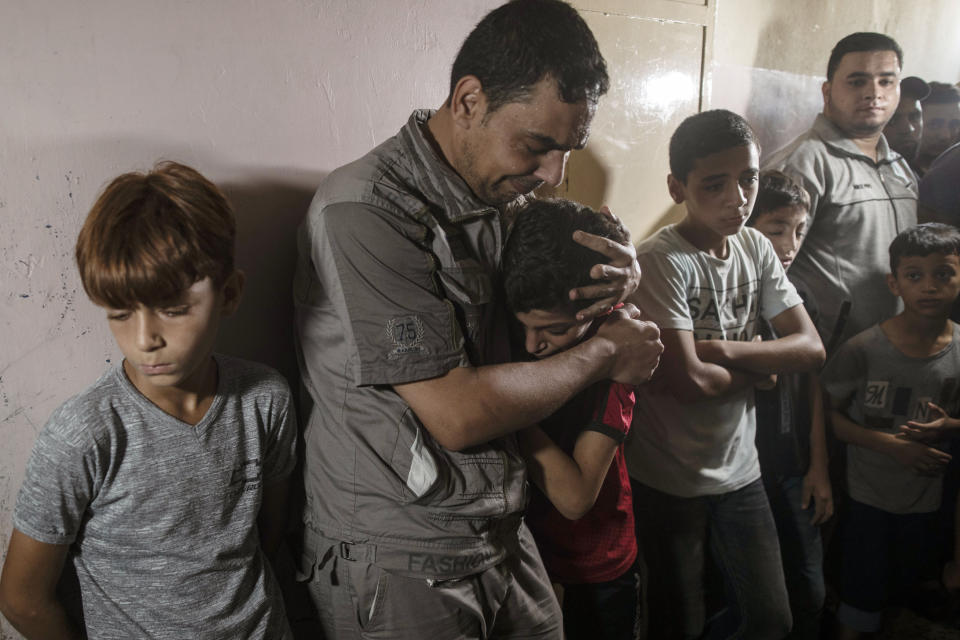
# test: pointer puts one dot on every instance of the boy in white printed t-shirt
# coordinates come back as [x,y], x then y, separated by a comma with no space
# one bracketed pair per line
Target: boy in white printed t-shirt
[164,483]
[706,282]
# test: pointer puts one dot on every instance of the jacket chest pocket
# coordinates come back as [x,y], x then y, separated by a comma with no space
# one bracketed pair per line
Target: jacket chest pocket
[471,290]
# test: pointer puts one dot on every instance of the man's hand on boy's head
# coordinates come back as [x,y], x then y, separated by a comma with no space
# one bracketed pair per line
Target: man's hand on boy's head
[619,278]
[636,342]
[940,427]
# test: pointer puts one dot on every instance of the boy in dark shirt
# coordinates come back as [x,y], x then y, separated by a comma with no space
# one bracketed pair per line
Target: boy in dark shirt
[582,514]
[791,438]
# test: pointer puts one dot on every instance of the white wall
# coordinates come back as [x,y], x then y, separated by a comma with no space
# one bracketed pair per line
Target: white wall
[266,97]
[770,56]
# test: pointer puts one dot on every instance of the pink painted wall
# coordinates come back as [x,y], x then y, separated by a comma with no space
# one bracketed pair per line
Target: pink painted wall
[263,97]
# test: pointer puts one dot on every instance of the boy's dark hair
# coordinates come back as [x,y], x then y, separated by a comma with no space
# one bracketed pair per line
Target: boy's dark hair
[862,41]
[914,87]
[776,190]
[520,43]
[922,240]
[942,93]
[706,133]
[541,262]
[151,235]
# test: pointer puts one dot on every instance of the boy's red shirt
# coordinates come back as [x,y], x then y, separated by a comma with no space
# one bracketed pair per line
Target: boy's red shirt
[601,545]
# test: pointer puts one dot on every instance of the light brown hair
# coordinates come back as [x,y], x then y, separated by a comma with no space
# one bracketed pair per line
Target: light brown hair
[151,235]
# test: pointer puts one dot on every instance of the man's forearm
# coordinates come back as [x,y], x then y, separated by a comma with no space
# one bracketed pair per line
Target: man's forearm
[472,405]
[468,406]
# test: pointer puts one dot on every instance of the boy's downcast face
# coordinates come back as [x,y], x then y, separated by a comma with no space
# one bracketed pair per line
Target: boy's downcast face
[928,284]
[785,227]
[720,189]
[170,346]
[550,332]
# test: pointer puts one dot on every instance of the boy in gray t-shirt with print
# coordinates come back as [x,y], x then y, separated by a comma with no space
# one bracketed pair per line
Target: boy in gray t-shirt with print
[893,389]
[164,484]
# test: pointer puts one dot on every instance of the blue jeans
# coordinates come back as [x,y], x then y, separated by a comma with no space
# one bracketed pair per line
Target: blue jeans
[743,541]
[802,553]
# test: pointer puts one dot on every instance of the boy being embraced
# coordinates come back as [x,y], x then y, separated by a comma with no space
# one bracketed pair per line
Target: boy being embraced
[891,390]
[706,282]
[791,436]
[582,515]
[164,483]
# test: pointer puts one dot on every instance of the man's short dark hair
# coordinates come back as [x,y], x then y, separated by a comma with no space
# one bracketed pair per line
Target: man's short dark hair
[541,262]
[942,93]
[862,41]
[524,41]
[704,134]
[776,190]
[922,240]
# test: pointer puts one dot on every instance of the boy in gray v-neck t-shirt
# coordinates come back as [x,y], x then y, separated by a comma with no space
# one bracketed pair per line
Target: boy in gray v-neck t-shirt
[163,485]
[161,515]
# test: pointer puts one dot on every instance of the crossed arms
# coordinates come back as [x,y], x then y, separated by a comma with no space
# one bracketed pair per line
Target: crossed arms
[700,369]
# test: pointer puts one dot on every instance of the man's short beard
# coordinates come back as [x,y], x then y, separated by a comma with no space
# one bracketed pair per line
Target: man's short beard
[467,170]
[854,130]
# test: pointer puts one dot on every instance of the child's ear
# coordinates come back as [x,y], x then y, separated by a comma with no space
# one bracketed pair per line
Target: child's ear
[825,90]
[892,284]
[468,102]
[676,189]
[232,292]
